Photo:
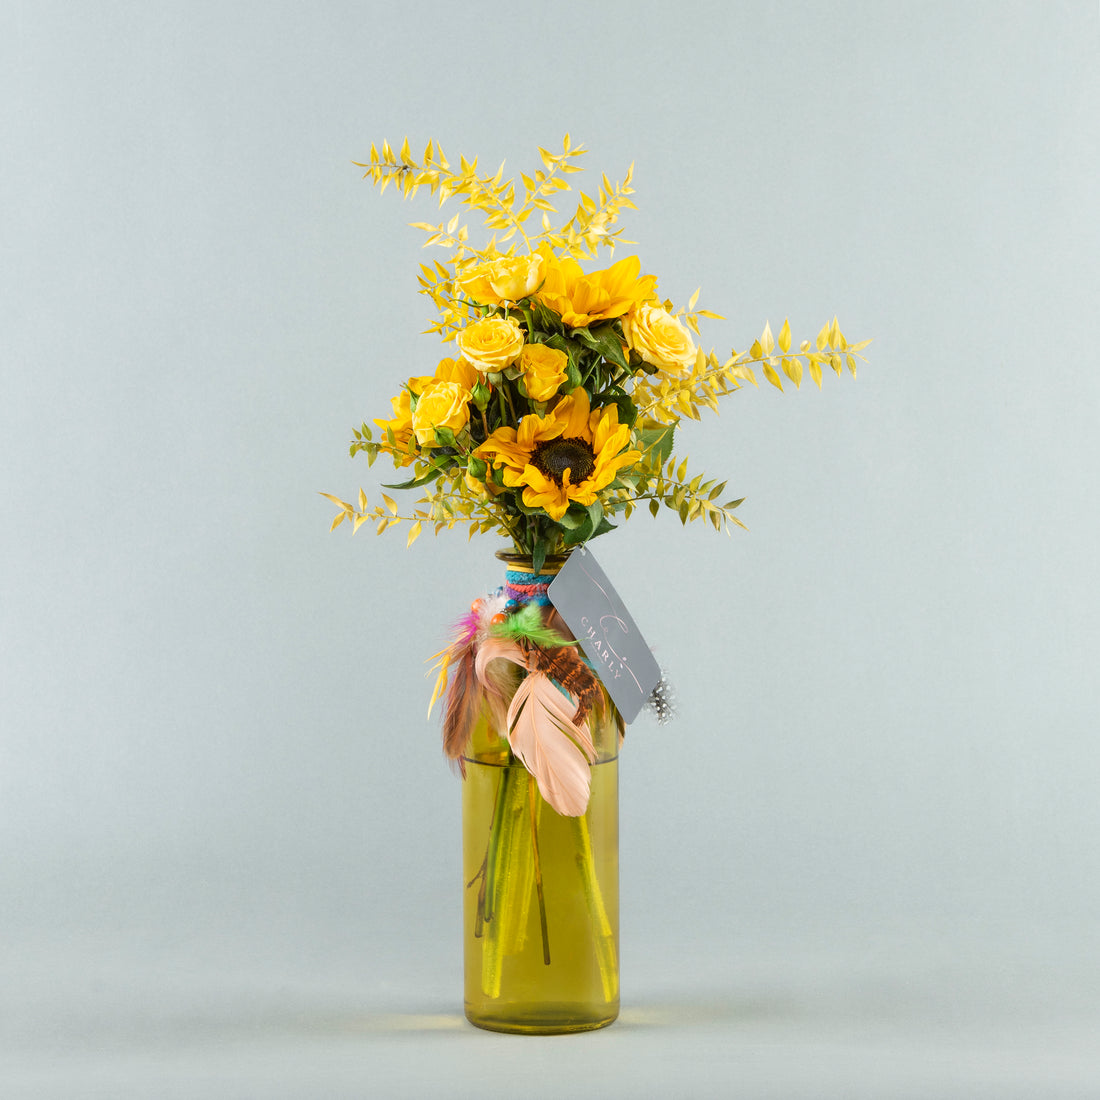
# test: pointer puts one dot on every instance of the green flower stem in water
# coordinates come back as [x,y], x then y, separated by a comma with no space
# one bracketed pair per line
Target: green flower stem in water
[604,937]
[541,900]
[521,872]
[531,802]
[508,871]
[512,872]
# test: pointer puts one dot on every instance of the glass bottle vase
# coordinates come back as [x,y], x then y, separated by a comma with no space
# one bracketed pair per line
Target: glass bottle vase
[541,890]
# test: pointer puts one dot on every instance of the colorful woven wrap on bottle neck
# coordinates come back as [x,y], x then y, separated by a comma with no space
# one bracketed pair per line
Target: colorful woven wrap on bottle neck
[522,587]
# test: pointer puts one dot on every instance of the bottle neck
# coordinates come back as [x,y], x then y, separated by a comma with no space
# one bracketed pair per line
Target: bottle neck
[522,584]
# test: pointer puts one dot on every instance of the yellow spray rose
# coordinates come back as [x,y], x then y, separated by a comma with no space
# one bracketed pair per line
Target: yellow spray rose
[544,370]
[491,344]
[401,426]
[507,279]
[480,488]
[456,370]
[441,405]
[659,338]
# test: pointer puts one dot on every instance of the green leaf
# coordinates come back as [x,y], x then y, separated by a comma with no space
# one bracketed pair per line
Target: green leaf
[432,473]
[560,342]
[628,413]
[583,530]
[518,502]
[538,556]
[605,526]
[606,341]
[658,441]
[546,319]
[581,534]
[573,518]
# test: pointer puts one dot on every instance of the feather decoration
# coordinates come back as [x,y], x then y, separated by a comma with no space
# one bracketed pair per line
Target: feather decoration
[554,750]
[457,679]
[553,650]
[528,625]
[565,665]
[463,634]
[442,662]
[662,701]
[499,682]
[555,622]
[465,630]
[464,700]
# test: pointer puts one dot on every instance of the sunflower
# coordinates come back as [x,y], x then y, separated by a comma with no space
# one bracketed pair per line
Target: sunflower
[568,455]
[581,300]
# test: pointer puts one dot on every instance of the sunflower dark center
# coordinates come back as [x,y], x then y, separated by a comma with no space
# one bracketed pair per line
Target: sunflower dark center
[553,457]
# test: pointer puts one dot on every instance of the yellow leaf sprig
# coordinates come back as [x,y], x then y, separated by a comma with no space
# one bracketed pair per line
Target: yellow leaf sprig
[581,236]
[667,400]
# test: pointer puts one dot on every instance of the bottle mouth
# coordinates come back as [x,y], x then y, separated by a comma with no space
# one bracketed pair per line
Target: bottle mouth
[522,562]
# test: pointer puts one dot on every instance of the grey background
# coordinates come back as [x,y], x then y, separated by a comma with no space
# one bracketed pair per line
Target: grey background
[864,860]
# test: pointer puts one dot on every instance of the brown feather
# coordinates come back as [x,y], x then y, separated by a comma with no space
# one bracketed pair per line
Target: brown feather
[464,699]
[567,666]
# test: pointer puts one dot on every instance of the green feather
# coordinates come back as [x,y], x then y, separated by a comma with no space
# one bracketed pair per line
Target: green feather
[527,625]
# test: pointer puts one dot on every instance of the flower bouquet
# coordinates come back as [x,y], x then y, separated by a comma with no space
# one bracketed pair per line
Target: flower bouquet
[553,417]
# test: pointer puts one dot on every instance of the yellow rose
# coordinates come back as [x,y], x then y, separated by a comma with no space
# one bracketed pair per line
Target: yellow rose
[441,405]
[544,370]
[659,338]
[401,426]
[491,344]
[457,370]
[481,489]
[507,279]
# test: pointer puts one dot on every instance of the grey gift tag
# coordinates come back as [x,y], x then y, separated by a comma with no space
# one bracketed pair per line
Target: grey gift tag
[599,620]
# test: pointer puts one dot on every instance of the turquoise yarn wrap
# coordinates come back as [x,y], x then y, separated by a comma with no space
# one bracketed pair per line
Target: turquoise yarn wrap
[527,587]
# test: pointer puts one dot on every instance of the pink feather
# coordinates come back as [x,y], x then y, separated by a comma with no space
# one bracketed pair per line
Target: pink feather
[498,682]
[548,744]
[466,628]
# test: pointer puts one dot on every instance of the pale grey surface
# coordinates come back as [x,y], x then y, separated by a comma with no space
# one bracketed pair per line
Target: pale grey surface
[865,860]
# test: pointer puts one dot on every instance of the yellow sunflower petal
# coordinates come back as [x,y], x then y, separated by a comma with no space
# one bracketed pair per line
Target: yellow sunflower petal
[543,492]
[502,447]
[573,413]
[534,429]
